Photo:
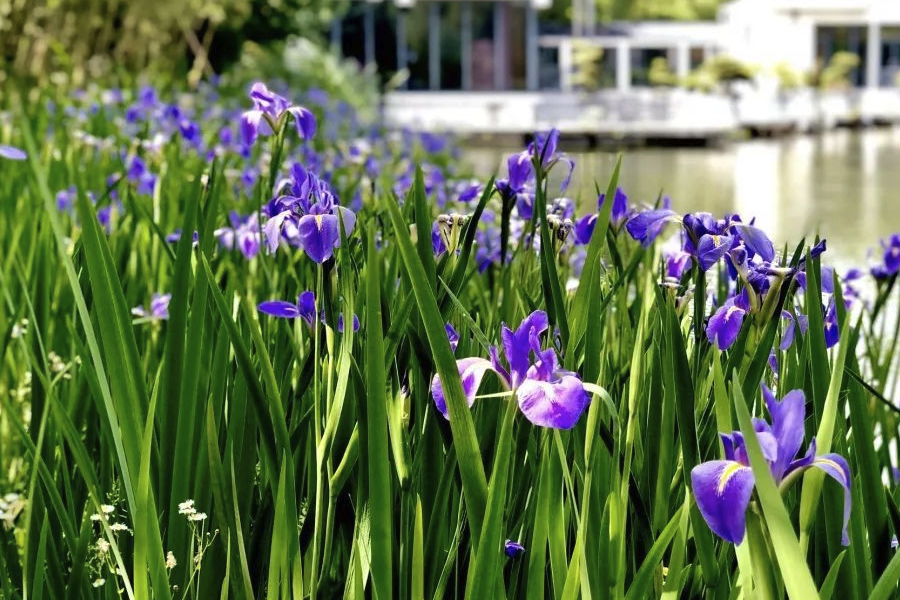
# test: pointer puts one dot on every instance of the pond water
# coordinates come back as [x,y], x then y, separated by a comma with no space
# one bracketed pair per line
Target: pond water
[843,185]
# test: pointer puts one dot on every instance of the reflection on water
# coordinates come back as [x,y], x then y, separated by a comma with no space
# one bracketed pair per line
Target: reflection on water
[843,185]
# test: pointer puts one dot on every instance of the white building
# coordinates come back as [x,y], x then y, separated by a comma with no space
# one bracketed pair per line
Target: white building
[805,33]
[492,66]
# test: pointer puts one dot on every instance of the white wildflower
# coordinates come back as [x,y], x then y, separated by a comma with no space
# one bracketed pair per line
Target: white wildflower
[102,546]
[170,560]
[107,508]
[119,527]
[197,517]
[98,582]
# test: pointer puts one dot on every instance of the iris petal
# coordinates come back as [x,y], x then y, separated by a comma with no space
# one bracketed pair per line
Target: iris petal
[837,468]
[319,236]
[557,405]
[279,308]
[787,426]
[12,153]
[723,489]
[471,372]
[724,326]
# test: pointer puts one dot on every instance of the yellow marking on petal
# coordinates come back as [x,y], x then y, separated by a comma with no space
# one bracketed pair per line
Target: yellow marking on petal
[731,310]
[716,241]
[827,461]
[319,221]
[726,476]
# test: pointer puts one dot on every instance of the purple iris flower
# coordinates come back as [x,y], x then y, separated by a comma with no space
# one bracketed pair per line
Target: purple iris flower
[513,549]
[790,329]
[676,265]
[619,212]
[305,308]
[647,225]
[12,153]
[268,108]
[725,324]
[140,175]
[320,233]
[891,248]
[308,217]
[832,329]
[437,240]
[543,149]
[158,309]
[65,199]
[723,488]
[518,187]
[243,234]
[547,395]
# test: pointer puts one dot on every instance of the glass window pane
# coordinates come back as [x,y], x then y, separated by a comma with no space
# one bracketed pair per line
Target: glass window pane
[451,46]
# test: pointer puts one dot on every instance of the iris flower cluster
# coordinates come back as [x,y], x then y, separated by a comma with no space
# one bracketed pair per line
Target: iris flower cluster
[548,395]
[307,215]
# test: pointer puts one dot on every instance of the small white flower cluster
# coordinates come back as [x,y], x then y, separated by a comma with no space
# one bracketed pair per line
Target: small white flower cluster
[105,511]
[20,329]
[10,506]
[171,563]
[61,367]
[24,387]
[187,508]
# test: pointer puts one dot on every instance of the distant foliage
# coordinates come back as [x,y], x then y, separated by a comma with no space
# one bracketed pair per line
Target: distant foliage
[303,65]
[85,39]
[836,73]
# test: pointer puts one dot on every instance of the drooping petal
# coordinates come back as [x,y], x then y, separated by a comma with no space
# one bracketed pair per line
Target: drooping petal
[347,220]
[724,326]
[584,228]
[12,153]
[646,226]
[553,404]
[471,372]
[756,241]
[305,120]
[723,489]
[319,236]
[520,170]
[837,468]
[787,426]
[711,249]
[272,230]
[250,126]
[279,308]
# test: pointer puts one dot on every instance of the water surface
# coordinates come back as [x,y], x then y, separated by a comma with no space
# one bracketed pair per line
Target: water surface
[843,185]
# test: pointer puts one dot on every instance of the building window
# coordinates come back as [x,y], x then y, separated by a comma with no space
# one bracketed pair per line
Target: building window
[698,55]
[641,58]
[451,46]
[548,69]
[831,40]
[482,46]
[890,57]
[417,46]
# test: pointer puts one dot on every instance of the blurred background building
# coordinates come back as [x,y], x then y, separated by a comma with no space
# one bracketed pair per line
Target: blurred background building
[531,71]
